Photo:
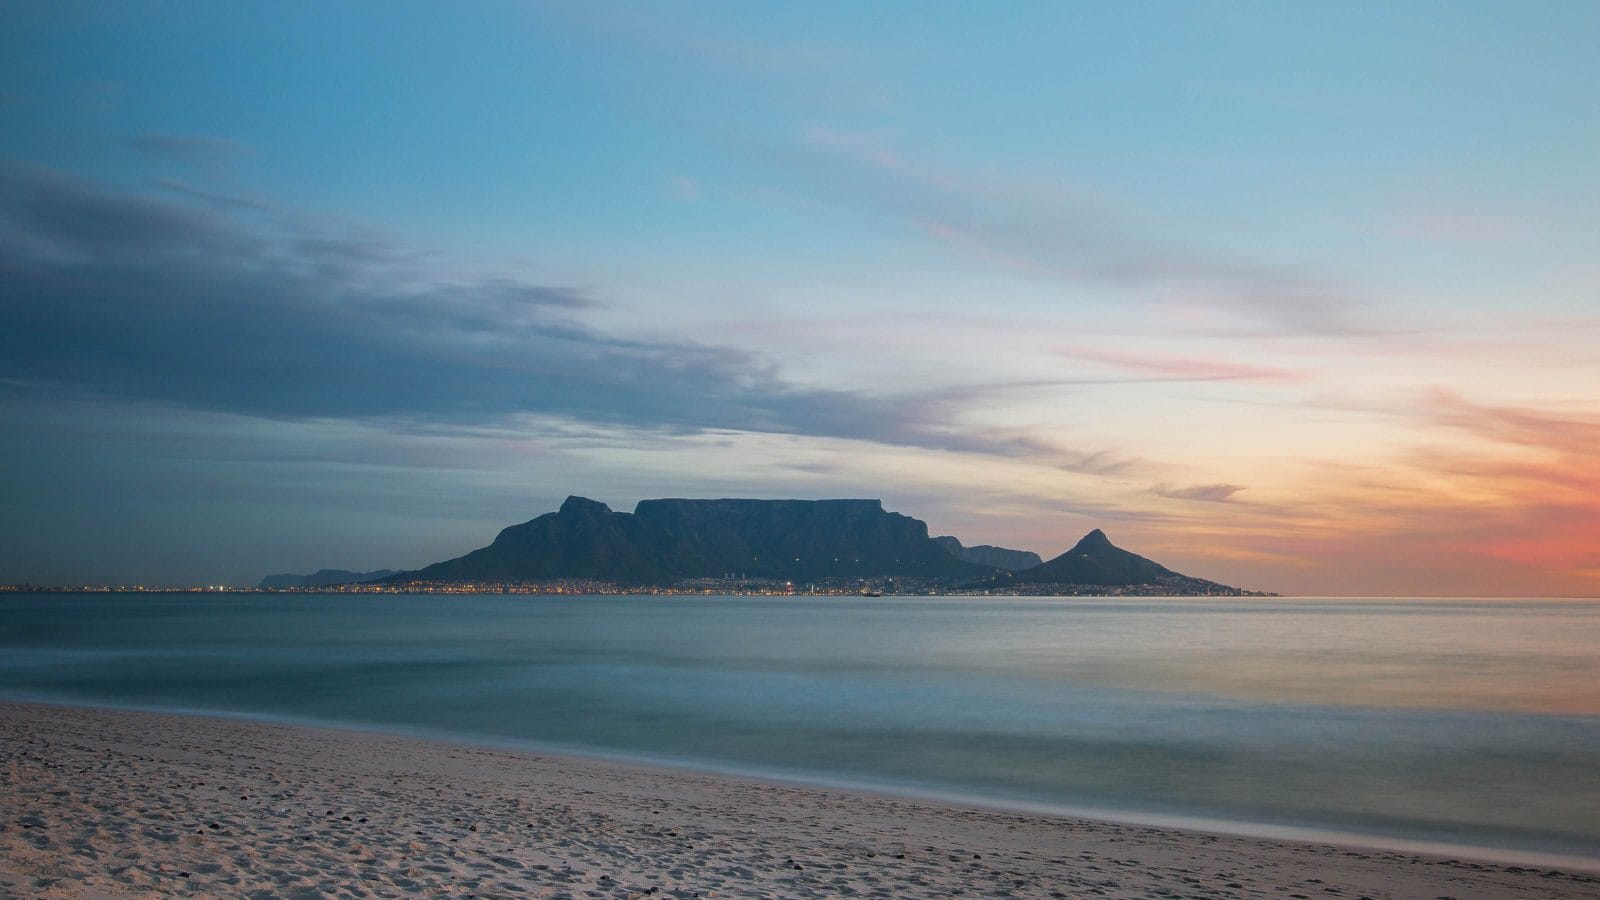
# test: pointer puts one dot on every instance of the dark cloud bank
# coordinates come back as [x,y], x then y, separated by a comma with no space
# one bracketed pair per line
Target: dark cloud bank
[234,306]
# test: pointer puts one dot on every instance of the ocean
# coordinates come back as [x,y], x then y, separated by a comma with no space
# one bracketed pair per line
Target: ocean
[1460,725]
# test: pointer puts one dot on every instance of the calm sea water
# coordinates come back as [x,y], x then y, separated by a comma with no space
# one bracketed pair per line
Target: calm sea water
[1471,723]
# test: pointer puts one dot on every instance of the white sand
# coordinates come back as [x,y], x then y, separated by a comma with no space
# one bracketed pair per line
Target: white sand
[108,803]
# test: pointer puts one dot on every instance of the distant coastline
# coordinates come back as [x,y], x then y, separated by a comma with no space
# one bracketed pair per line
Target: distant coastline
[751,547]
[766,547]
[603,589]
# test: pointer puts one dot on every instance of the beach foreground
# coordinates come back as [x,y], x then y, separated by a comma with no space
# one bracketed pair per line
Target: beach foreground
[111,803]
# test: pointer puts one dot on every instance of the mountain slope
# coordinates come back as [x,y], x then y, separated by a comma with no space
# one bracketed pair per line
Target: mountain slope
[1094,565]
[1095,560]
[583,539]
[993,557]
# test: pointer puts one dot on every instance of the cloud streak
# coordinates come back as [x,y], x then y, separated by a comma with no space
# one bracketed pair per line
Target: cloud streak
[1206,493]
[1042,231]
[197,150]
[1521,425]
[1180,368]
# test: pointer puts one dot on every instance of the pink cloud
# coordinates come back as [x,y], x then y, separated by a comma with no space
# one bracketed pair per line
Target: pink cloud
[1456,228]
[1208,493]
[1183,368]
[1521,425]
[1516,516]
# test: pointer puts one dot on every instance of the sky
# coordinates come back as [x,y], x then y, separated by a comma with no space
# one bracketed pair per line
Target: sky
[1302,298]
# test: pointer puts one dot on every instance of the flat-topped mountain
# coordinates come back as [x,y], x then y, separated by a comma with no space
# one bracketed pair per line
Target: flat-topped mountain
[321,578]
[667,541]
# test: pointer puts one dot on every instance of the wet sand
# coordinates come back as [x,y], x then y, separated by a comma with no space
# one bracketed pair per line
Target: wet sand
[98,803]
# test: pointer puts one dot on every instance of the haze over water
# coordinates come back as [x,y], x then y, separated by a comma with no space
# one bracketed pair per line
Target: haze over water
[1467,722]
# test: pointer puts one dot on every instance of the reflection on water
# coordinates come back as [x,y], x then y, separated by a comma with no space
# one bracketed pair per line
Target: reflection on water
[1471,721]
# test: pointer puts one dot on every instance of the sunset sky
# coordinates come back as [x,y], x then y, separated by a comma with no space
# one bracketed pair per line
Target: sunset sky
[1297,297]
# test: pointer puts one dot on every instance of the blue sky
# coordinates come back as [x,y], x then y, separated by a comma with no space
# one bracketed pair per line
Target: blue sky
[1295,297]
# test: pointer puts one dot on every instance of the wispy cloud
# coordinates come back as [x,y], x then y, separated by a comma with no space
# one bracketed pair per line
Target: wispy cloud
[1449,227]
[214,197]
[1523,425]
[1101,462]
[1047,231]
[1207,493]
[1180,368]
[197,150]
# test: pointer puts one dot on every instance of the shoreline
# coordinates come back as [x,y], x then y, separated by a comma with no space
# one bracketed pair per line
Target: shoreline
[108,802]
[668,766]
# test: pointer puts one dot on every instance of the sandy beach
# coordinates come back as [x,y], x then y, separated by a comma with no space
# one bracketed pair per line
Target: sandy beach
[110,803]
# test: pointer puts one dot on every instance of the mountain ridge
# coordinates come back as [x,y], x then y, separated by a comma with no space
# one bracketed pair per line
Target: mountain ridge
[670,540]
[991,556]
[746,544]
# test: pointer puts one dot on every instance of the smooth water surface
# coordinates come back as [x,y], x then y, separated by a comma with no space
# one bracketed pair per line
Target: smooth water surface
[1470,722]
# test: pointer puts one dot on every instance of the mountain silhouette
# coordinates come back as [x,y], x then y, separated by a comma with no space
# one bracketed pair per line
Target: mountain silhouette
[993,557]
[1095,560]
[321,578]
[1094,565]
[665,541]
[721,543]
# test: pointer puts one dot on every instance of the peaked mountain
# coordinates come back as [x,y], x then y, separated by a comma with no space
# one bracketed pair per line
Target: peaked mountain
[1095,560]
[993,557]
[321,578]
[666,541]
[1094,564]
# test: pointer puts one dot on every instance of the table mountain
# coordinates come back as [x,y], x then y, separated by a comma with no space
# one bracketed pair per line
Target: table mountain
[321,578]
[666,541]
